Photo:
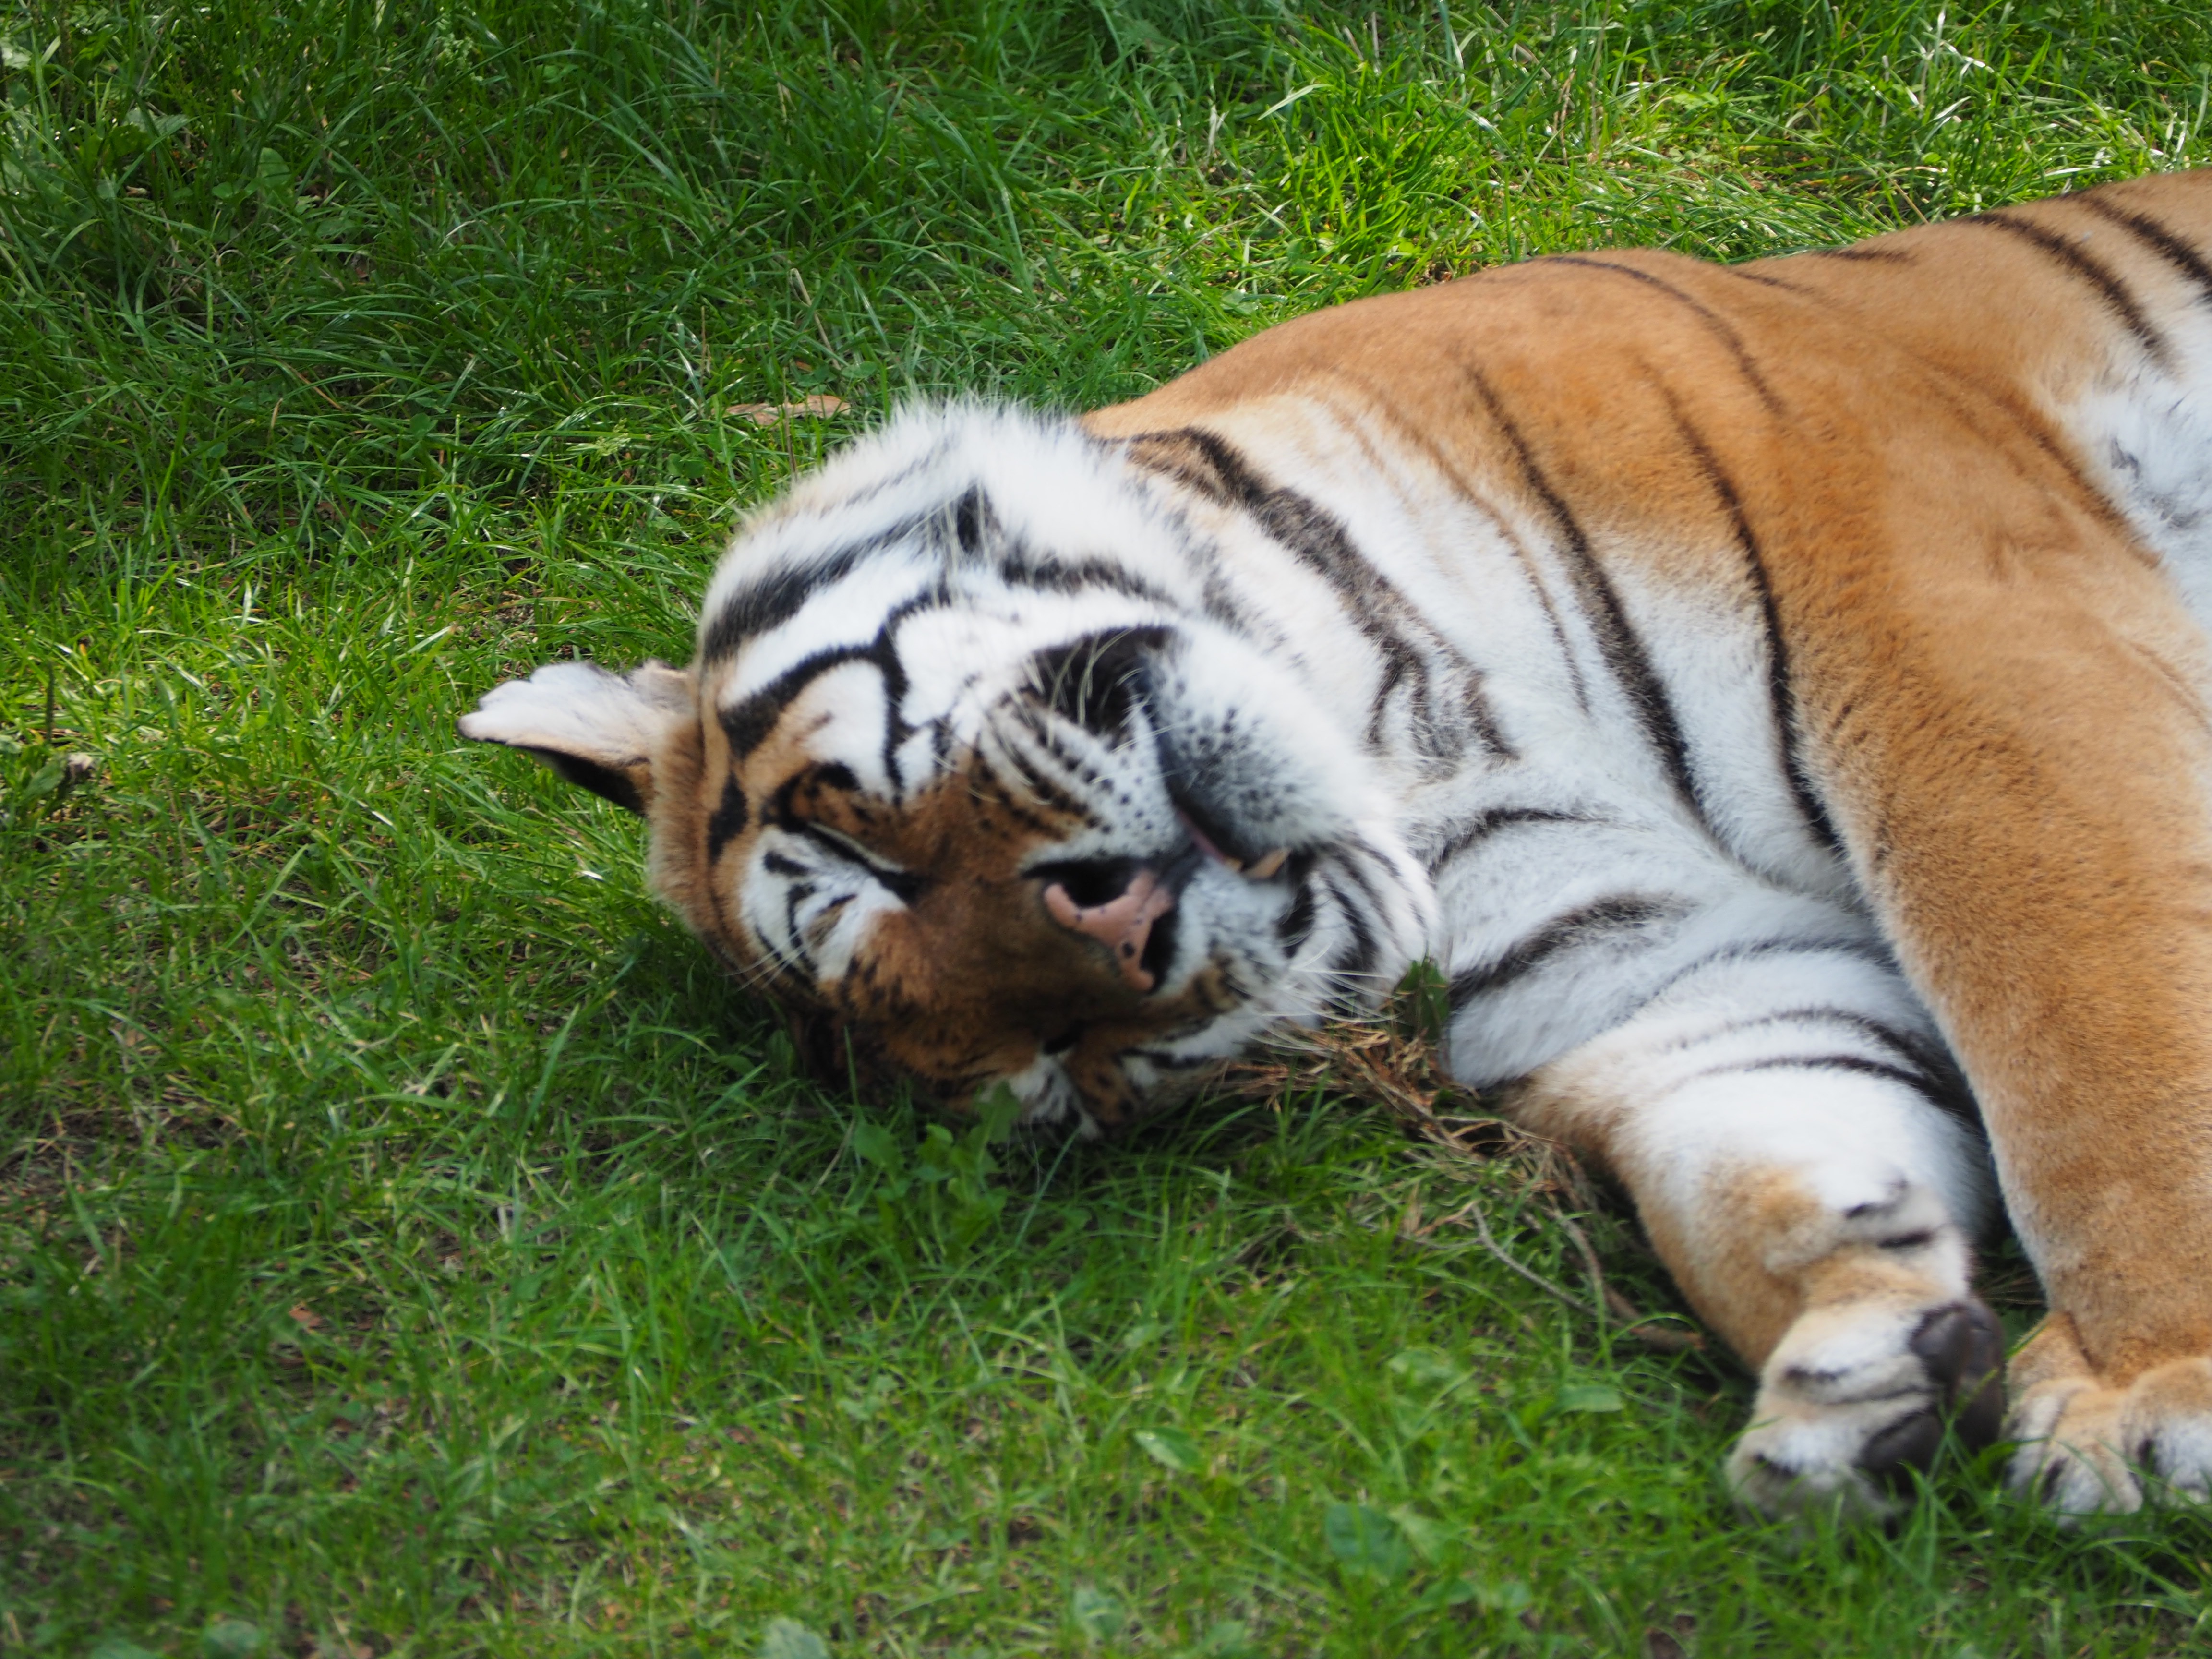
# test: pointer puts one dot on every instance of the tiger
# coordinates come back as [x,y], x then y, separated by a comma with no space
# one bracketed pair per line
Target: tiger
[1772,696]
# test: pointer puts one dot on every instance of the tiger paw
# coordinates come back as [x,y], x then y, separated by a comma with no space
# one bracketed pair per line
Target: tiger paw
[1858,1393]
[2088,1445]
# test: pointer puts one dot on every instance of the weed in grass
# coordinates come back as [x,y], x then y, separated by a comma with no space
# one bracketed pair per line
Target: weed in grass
[408,1242]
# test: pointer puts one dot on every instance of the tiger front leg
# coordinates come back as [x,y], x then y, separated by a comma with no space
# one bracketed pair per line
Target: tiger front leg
[1800,1156]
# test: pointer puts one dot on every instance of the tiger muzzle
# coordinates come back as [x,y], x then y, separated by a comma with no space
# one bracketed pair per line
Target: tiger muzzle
[1127,906]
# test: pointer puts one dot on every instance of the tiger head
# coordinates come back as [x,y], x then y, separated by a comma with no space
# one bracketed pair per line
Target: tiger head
[983,755]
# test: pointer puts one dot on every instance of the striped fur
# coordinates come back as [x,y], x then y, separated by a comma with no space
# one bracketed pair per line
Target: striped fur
[1774,696]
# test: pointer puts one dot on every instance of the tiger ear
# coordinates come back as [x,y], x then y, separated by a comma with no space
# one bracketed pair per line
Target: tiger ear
[596,729]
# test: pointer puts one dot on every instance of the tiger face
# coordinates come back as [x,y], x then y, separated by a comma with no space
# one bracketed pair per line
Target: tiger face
[977,759]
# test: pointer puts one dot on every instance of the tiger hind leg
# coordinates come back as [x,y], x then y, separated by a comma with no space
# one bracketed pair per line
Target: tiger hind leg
[1783,1131]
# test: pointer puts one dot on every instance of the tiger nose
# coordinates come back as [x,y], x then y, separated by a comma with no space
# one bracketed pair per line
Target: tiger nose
[1123,924]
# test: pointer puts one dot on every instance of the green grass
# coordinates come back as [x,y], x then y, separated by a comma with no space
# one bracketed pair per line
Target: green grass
[408,1243]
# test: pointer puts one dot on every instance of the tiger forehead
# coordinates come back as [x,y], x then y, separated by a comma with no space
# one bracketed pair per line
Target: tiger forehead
[1040,505]
[895,708]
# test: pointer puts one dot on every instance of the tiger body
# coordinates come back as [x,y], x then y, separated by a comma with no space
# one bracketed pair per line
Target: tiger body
[1774,696]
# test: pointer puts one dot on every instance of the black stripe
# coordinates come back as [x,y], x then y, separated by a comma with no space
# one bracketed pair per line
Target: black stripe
[1919,1082]
[1873,955]
[1178,456]
[748,724]
[987,788]
[2169,246]
[904,885]
[973,521]
[1221,601]
[782,962]
[1965,393]
[1483,825]
[1889,1035]
[1380,399]
[1719,325]
[1300,524]
[778,597]
[940,740]
[885,483]
[966,523]
[1322,545]
[1948,1086]
[2094,272]
[775,598]
[1297,926]
[1378,705]
[1780,689]
[1607,619]
[728,820]
[1183,455]
[1534,578]
[1742,275]
[794,896]
[1864,253]
[1047,791]
[1926,1055]
[1624,913]
[892,666]
[1353,963]
[1356,855]
[1020,567]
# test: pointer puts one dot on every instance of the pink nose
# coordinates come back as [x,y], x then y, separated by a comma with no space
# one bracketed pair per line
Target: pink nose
[1121,925]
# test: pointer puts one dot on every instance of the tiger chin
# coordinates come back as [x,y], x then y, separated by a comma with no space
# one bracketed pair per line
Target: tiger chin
[1777,697]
